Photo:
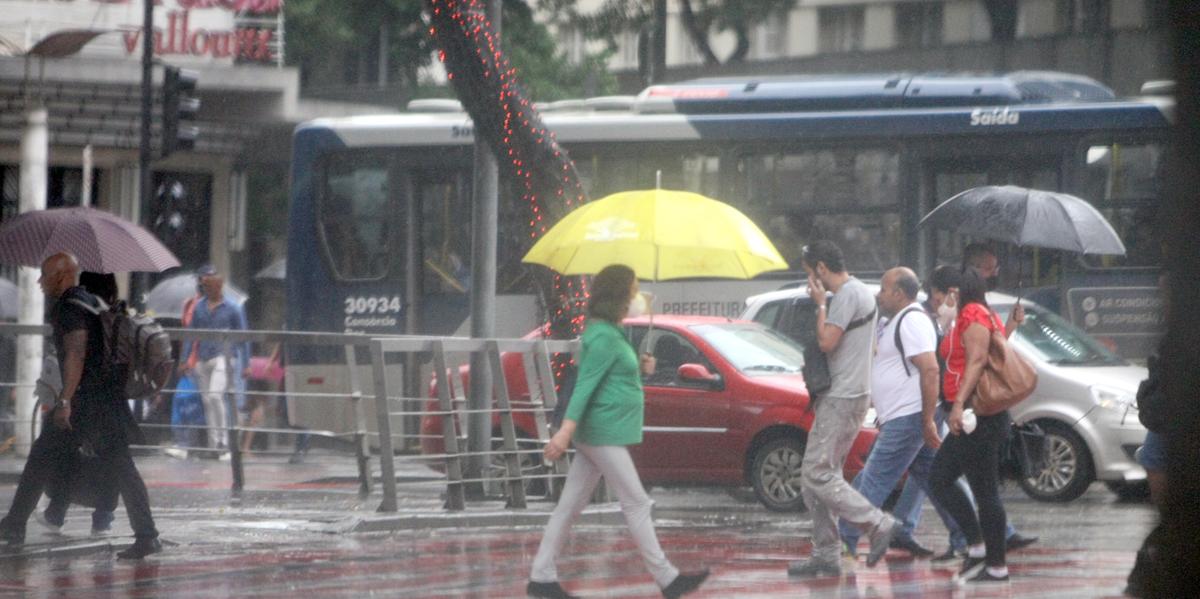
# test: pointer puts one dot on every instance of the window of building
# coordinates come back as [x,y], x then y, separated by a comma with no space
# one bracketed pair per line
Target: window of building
[571,43]
[840,28]
[771,36]
[628,48]
[919,24]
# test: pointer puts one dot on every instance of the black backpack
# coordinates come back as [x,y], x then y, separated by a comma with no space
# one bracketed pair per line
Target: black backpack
[136,342]
[900,343]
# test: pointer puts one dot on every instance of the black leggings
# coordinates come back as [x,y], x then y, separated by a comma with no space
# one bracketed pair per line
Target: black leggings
[977,456]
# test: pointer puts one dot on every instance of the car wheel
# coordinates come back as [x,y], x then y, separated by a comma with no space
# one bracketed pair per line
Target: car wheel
[1063,471]
[533,470]
[775,474]
[1129,491]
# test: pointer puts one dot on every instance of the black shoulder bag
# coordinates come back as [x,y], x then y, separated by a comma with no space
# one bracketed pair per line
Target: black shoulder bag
[816,365]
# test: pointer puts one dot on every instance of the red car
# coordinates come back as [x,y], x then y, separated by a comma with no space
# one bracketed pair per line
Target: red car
[726,406]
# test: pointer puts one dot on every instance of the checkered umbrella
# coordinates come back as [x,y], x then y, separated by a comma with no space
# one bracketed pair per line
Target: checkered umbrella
[102,242]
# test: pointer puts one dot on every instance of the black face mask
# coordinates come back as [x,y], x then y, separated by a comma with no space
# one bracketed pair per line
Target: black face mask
[993,282]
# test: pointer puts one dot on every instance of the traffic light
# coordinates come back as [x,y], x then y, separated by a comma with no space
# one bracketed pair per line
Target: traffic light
[179,107]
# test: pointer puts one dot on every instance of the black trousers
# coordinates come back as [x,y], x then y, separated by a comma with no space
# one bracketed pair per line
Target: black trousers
[54,457]
[977,456]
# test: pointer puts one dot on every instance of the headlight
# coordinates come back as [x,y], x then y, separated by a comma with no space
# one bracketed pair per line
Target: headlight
[1112,399]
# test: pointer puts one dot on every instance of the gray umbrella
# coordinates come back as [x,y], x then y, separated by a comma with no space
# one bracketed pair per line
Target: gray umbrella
[166,299]
[1027,217]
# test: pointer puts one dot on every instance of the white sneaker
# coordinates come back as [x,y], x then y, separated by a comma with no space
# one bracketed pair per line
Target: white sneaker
[175,452]
[224,456]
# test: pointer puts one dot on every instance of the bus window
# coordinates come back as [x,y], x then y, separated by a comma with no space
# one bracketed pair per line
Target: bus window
[353,215]
[1122,181]
[847,195]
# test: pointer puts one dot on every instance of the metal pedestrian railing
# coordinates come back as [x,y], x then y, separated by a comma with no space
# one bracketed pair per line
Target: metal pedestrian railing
[450,410]
[397,369]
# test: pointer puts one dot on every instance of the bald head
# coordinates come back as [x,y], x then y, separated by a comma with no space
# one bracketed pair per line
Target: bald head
[60,272]
[897,289]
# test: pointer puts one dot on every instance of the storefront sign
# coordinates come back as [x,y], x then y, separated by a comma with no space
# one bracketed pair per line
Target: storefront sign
[184,30]
[245,43]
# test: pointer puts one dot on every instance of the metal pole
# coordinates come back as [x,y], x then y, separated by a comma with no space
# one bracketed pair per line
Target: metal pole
[145,193]
[484,219]
[35,149]
[85,188]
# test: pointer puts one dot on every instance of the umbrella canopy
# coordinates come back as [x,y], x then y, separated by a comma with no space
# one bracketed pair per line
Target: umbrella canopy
[103,242]
[661,234]
[166,299]
[1028,217]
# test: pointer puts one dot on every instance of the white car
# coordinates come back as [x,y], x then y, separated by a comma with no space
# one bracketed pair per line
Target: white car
[1084,401]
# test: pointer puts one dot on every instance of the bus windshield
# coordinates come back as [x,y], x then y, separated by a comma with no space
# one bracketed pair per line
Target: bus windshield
[354,211]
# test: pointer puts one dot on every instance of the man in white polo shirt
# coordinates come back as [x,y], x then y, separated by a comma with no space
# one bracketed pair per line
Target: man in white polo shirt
[904,390]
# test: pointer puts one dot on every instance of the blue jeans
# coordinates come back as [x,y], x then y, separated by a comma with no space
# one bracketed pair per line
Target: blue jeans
[899,448]
[908,508]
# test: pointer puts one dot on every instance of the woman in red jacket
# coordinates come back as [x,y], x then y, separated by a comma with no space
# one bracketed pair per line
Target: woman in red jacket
[969,450]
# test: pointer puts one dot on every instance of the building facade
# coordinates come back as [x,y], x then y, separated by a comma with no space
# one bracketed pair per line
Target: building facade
[1119,42]
[250,103]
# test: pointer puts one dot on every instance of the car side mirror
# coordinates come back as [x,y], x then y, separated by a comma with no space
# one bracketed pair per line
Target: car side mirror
[697,373]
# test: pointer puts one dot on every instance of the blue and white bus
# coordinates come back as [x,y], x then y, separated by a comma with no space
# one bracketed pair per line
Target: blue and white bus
[380,218]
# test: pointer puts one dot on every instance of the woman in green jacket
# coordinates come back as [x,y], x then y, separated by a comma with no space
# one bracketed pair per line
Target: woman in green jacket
[604,417]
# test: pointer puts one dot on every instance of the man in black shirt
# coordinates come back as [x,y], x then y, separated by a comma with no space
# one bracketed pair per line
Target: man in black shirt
[90,417]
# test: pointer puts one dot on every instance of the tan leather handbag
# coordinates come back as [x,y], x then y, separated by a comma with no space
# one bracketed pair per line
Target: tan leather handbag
[1007,378]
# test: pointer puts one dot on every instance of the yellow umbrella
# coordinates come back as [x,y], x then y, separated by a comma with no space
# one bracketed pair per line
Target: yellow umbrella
[661,234]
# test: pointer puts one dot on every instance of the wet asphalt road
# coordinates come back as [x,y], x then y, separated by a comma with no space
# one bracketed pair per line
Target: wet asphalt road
[296,532]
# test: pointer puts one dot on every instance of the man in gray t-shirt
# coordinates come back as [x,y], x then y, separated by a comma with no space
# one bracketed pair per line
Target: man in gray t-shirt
[845,336]
[850,359]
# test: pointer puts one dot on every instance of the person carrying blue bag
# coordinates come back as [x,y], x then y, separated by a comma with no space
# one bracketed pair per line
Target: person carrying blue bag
[186,411]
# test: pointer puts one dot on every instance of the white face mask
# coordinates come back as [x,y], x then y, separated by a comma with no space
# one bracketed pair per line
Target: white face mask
[639,306]
[947,312]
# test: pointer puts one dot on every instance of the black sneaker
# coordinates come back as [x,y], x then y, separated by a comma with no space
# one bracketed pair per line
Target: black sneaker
[685,583]
[547,590]
[11,535]
[140,549]
[812,568]
[911,545]
[1018,541]
[971,566]
[985,577]
[950,555]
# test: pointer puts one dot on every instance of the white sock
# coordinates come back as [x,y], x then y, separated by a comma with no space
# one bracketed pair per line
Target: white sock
[977,550]
[1000,572]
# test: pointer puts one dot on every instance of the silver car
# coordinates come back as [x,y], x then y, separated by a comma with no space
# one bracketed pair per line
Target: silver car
[1085,397]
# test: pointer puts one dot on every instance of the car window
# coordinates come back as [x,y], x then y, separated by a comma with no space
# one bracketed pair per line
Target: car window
[671,350]
[753,349]
[769,314]
[1052,339]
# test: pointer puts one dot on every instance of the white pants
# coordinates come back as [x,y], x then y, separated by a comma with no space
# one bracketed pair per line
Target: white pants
[212,380]
[616,466]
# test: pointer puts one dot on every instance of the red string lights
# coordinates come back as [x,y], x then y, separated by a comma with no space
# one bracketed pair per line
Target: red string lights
[487,86]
